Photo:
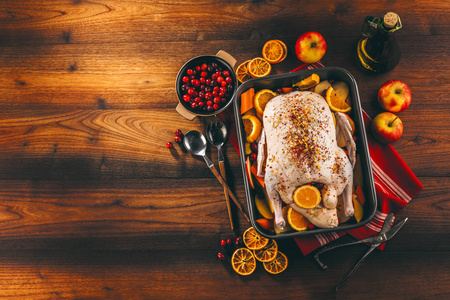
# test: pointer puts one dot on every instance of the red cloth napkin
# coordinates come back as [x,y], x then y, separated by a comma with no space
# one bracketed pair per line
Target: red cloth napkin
[395,184]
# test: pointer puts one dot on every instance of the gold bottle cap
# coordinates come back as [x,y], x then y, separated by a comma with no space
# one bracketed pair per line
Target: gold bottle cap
[390,19]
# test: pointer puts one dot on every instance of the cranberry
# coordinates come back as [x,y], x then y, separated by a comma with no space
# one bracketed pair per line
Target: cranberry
[177,139]
[223,100]
[186,98]
[197,99]
[208,81]
[216,88]
[184,87]
[194,105]
[223,243]
[178,132]
[209,103]
[204,66]
[223,89]
[212,83]
[202,87]
[195,82]
[214,76]
[210,68]
[195,94]
[198,68]
[238,242]
[254,147]
[224,83]
[208,96]
[191,91]
[216,106]
[229,79]
[220,256]
[218,73]
[190,72]
[219,79]
[201,94]
[201,103]
[208,89]
[204,74]
[192,76]
[310,226]
[185,79]
[169,145]
[221,94]
[214,65]
[226,73]
[214,94]
[209,108]
[202,80]
[253,156]
[230,87]
[216,100]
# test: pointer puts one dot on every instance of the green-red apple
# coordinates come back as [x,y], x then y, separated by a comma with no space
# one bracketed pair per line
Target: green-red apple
[394,96]
[387,127]
[310,47]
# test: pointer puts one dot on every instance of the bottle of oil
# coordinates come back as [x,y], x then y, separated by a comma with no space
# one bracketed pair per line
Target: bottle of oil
[378,49]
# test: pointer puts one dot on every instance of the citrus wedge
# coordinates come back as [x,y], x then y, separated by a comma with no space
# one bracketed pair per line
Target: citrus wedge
[252,126]
[253,240]
[268,253]
[277,265]
[259,67]
[243,261]
[242,72]
[307,196]
[261,99]
[273,51]
[296,220]
[308,83]
[335,102]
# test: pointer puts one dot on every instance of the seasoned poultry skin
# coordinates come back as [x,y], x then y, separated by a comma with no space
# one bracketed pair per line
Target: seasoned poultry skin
[301,149]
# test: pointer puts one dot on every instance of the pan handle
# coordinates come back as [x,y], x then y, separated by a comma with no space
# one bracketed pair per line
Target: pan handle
[227,57]
[184,112]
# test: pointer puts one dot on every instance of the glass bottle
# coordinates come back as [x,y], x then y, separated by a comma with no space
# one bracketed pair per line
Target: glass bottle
[378,49]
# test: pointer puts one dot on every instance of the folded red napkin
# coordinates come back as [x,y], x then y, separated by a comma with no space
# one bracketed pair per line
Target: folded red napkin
[395,184]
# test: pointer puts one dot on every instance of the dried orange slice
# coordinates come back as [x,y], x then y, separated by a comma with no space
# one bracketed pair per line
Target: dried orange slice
[242,72]
[273,51]
[253,240]
[278,265]
[296,220]
[259,67]
[267,253]
[308,83]
[252,127]
[243,261]
[261,99]
[307,196]
[335,102]
[284,48]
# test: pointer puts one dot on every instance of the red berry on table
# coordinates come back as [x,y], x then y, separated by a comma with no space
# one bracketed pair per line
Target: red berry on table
[178,132]
[223,243]
[310,226]
[238,242]
[177,139]
[169,145]
[220,256]
[253,156]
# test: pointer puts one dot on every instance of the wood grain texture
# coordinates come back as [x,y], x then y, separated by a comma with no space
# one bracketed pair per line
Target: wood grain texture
[94,206]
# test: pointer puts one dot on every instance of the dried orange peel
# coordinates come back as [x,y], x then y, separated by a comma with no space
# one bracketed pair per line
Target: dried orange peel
[274,51]
[243,261]
[259,67]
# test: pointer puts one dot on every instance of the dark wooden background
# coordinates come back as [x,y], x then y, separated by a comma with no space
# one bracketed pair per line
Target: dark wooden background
[93,205]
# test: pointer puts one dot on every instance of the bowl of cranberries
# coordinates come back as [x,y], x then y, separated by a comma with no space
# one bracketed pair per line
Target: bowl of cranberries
[206,85]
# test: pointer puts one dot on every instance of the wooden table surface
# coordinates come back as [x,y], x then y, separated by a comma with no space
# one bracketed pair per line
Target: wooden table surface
[94,206]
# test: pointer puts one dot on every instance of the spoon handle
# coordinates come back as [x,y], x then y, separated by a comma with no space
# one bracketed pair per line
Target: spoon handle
[227,197]
[227,188]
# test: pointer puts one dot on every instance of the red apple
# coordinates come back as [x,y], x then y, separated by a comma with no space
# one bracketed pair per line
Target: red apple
[310,47]
[387,127]
[394,96]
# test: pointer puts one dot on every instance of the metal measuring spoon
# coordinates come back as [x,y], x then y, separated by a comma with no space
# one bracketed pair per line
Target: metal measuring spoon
[196,144]
[217,134]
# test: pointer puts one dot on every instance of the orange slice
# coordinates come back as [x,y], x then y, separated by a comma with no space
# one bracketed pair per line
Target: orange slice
[296,220]
[253,240]
[259,67]
[261,99]
[268,253]
[273,51]
[252,126]
[243,261]
[242,72]
[308,83]
[284,48]
[307,196]
[278,265]
[335,102]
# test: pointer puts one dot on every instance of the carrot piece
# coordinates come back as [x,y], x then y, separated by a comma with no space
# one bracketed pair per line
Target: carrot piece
[247,100]
[286,89]
[360,195]
[254,170]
